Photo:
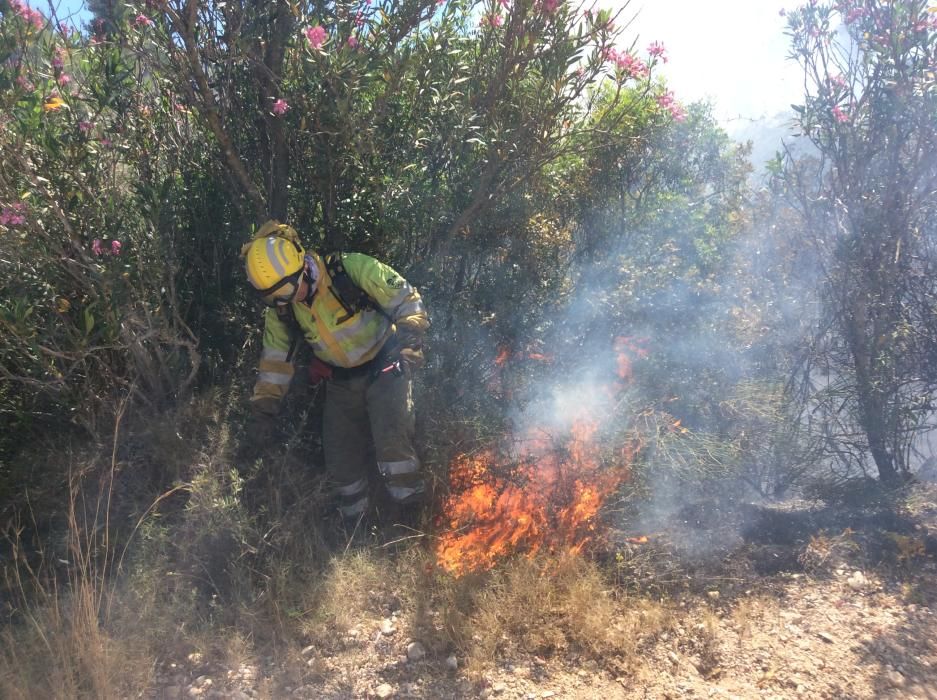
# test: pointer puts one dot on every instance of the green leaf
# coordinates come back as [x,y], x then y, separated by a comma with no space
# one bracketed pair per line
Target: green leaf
[89,320]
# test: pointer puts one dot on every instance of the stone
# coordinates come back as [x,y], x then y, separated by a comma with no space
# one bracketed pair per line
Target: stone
[895,679]
[308,650]
[415,651]
[499,688]
[452,663]
[857,581]
[388,627]
[384,690]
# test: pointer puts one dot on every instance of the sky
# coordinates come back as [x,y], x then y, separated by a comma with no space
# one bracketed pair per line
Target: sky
[732,52]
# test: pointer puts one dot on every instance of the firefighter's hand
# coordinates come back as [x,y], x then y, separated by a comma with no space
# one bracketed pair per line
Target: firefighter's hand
[409,337]
[412,358]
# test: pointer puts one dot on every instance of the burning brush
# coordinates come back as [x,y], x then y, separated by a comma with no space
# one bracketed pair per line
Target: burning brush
[545,490]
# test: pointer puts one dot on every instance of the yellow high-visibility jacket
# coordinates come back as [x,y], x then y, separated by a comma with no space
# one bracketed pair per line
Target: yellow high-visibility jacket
[335,338]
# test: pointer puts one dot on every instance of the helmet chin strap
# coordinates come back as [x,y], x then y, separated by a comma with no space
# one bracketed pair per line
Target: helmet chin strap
[311,282]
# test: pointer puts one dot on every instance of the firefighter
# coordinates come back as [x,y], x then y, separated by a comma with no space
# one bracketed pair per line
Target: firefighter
[365,325]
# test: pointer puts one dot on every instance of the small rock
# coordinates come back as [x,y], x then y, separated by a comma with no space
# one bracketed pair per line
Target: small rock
[195,657]
[415,651]
[485,694]
[826,637]
[547,694]
[857,581]
[499,688]
[674,659]
[308,650]
[452,663]
[384,690]
[388,627]
[714,595]
[895,679]
[195,692]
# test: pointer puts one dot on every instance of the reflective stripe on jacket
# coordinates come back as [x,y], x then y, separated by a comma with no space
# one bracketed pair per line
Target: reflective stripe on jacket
[335,338]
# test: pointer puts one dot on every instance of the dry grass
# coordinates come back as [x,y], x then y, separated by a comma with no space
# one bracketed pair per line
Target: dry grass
[350,592]
[545,607]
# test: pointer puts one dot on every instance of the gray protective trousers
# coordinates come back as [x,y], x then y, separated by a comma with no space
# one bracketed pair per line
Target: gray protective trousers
[359,412]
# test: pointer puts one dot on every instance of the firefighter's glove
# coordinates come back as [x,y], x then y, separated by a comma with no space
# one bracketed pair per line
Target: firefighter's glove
[409,337]
[412,358]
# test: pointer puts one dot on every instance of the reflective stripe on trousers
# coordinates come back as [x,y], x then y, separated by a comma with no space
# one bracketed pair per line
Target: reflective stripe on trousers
[352,498]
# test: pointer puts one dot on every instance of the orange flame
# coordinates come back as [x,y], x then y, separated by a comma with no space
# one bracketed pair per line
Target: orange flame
[544,493]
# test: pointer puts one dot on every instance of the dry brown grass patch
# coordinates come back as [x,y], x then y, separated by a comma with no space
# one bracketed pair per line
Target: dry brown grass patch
[547,606]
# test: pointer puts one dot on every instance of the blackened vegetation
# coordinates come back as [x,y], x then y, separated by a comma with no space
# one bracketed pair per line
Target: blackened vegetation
[728,540]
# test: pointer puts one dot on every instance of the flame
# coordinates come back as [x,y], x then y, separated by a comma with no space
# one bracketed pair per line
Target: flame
[543,492]
[545,499]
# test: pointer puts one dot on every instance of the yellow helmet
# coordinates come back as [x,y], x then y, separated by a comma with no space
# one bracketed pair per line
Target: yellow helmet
[274,261]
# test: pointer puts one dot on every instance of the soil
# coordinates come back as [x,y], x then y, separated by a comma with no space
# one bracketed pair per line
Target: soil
[797,600]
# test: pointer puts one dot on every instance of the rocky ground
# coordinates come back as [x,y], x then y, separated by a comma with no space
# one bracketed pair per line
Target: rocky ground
[826,607]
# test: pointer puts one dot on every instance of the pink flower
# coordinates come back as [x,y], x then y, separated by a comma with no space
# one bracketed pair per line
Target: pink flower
[491,20]
[97,247]
[142,20]
[84,126]
[549,6]
[667,101]
[59,59]
[280,107]
[13,215]
[315,36]
[33,17]
[22,82]
[630,66]
[656,50]
[104,141]
[115,247]
[63,79]
[352,42]
[839,115]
